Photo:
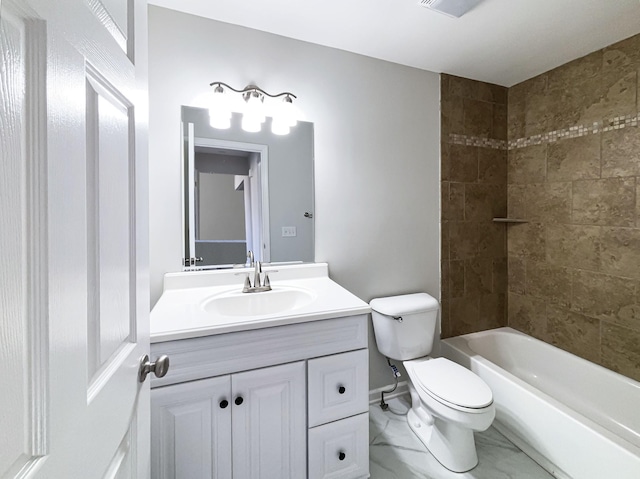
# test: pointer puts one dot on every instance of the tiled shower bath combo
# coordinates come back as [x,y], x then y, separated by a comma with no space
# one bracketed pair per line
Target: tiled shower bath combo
[556,160]
[562,152]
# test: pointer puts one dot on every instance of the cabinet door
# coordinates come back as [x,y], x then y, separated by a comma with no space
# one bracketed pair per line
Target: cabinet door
[191,430]
[269,423]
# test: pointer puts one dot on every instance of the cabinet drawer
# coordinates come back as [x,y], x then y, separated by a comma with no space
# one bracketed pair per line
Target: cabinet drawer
[340,450]
[338,386]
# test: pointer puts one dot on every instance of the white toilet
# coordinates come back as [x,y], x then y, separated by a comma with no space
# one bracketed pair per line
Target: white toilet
[449,402]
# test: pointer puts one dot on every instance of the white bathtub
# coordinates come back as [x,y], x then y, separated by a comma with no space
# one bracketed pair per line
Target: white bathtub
[575,418]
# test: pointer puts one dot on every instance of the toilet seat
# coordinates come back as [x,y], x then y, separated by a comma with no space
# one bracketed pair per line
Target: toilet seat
[450,384]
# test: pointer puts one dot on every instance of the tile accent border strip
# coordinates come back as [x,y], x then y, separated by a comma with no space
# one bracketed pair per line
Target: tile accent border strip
[577,131]
[477,141]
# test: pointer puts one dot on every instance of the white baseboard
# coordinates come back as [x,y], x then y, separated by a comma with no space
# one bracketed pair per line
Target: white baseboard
[401,390]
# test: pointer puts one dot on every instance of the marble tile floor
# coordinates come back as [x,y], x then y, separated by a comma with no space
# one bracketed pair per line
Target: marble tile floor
[396,453]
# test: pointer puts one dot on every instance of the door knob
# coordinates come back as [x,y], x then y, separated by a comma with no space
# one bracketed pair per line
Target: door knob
[159,367]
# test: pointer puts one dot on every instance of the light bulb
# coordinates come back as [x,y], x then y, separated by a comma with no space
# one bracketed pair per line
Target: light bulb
[219,111]
[278,127]
[288,112]
[254,108]
[251,125]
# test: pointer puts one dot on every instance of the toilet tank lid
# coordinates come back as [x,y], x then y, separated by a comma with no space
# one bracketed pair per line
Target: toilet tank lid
[404,304]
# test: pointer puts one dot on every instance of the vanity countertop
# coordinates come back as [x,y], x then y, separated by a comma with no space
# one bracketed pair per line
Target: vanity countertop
[184,309]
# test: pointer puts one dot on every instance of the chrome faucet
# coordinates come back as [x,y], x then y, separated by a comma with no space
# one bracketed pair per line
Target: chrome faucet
[258,284]
[250,258]
[256,275]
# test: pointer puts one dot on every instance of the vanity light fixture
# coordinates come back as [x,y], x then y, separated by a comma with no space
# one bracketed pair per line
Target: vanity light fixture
[253,109]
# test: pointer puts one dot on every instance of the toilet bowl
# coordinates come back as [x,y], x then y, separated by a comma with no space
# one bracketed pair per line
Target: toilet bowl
[448,402]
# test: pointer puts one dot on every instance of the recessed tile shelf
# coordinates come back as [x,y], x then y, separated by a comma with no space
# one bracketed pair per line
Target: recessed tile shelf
[509,220]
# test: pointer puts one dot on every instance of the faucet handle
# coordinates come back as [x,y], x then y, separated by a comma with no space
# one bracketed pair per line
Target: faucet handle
[247,281]
[247,284]
[267,283]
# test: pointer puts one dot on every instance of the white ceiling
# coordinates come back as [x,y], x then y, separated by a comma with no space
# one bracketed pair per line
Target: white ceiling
[499,41]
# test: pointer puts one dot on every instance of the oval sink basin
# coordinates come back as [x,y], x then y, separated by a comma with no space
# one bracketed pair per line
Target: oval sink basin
[278,300]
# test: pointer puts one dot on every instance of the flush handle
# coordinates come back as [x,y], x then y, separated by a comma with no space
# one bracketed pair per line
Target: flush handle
[159,367]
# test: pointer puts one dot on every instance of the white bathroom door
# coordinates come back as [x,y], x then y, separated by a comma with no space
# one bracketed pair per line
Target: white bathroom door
[73,239]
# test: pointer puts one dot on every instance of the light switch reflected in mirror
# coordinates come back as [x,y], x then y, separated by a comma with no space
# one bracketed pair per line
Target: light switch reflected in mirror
[246,191]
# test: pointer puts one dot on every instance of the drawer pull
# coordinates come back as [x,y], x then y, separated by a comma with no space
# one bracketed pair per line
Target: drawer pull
[224,403]
[342,455]
[239,400]
[341,389]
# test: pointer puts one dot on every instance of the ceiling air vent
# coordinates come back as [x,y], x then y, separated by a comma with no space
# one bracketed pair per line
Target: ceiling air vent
[453,8]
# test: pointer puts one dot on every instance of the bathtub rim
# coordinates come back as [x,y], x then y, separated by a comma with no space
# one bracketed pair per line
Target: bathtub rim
[460,344]
[510,330]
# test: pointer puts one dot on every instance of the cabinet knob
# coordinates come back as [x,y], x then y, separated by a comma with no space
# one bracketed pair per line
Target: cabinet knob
[341,389]
[224,403]
[342,455]
[239,400]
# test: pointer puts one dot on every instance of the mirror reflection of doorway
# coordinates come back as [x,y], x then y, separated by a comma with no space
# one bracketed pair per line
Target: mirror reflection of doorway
[227,204]
[286,230]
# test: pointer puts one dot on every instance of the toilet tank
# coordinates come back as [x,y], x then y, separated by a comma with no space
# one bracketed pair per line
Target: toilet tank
[405,325]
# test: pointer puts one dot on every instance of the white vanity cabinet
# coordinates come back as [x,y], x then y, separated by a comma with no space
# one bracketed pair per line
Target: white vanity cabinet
[244,425]
[284,402]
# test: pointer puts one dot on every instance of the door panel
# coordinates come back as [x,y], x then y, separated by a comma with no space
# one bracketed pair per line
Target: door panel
[123,463]
[109,217]
[74,311]
[23,311]
[114,15]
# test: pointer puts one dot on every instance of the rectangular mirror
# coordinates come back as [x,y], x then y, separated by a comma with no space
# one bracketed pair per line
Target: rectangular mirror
[246,192]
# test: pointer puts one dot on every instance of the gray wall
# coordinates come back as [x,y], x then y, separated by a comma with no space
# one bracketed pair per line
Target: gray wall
[376,135]
[221,208]
[221,252]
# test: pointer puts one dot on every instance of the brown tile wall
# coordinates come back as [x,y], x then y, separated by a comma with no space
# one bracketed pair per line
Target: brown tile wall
[573,172]
[564,155]
[474,191]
